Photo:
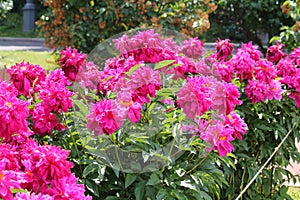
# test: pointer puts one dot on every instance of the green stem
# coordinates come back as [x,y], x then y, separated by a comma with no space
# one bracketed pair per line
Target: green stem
[197,165]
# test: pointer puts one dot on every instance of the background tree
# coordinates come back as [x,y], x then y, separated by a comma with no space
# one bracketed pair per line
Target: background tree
[245,20]
[83,24]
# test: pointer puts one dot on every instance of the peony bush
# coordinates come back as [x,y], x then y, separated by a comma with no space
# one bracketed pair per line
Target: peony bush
[151,116]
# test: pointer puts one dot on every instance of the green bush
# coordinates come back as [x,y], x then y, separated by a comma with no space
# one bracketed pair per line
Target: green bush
[83,24]
[290,35]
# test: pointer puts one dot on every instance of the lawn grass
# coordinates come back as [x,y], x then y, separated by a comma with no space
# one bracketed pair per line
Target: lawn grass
[294,192]
[45,59]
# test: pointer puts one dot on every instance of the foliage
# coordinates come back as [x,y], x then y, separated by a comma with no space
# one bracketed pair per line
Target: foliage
[5,6]
[246,20]
[290,35]
[83,24]
[158,119]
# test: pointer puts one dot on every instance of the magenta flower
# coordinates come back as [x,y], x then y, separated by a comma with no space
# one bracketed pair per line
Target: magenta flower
[219,138]
[194,97]
[285,67]
[296,97]
[70,62]
[54,94]
[43,121]
[88,75]
[191,48]
[264,71]
[223,49]
[9,157]
[32,196]
[143,39]
[232,97]
[243,64]
[25,77]
[13,113]
[275,53]
[274,90]
[295,56]
[104,117]
[234,121]
[225,69]
[8,181]
[252,50]
[256,91]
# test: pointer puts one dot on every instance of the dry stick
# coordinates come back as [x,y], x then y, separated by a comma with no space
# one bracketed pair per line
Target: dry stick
[260,170]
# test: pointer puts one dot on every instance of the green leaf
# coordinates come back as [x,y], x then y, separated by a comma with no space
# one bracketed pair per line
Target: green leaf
[92,186]
[82,107]
[132,69]
[130,178]
[162,193]
[154,179]
[163,63]
[139,191]
[89,169]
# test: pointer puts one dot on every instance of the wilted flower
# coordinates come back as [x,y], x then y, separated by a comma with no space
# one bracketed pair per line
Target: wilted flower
[70,62]
[275,53]
[223,49]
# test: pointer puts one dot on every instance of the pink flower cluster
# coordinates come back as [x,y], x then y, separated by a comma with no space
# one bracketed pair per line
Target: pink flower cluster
[34,171]
[26,77]
[42,171]
[135,83]
[13,112]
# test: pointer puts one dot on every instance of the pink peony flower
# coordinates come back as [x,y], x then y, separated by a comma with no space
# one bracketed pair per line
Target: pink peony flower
[104,117]
[274,90]
[264,71]
[234,121]
[275,53]
[194,97]
[296,97]
[43,121]
[225,69]
[232,97]
[54,94]
[243,64]
[223,49]
[32,196]
[25,77]
[8,180]
[256,91]
[285,67]
[70,62]
[13,113]
[252,50]
[191,48]
[9,157]
[219,138]
[143,39]
[295,56]
[88,75]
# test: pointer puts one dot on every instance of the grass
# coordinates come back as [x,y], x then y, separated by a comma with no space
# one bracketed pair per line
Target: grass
[45,59]
[294,192]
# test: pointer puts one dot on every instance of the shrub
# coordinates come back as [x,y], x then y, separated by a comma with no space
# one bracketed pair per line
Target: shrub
[83,24]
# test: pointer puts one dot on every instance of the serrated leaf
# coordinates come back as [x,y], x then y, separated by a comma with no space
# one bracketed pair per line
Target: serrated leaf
[130,178]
